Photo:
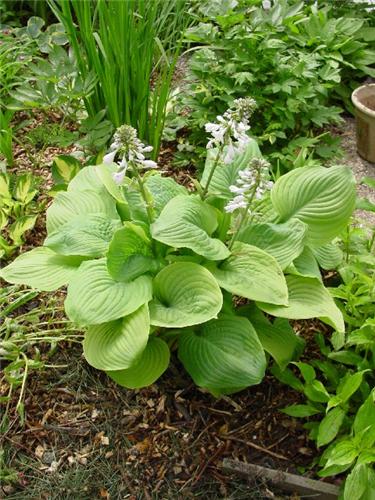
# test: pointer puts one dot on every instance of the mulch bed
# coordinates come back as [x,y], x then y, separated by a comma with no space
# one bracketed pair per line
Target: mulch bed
[170,432]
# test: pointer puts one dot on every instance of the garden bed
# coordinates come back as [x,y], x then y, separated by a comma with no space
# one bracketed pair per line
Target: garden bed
[91,438]
[187,251]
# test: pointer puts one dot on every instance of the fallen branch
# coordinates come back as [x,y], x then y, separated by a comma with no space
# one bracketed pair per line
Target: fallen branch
[253,445]
[318,490]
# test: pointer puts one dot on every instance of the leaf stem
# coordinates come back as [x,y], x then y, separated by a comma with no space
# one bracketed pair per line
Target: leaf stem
[149,208]
[245,212]
[212,171]
[242,220]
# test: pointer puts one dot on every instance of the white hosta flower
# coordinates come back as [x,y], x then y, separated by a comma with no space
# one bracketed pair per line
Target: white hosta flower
[109,158]
[237,202]
[149,164]
[130,149]
[251,184]
[118,177]
[237,190]
[230,154]
[231,129]
[266,4]
[218,132]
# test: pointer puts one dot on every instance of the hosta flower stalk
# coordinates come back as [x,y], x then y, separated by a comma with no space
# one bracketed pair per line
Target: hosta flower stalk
[250,186]
[229,134]
[127,146]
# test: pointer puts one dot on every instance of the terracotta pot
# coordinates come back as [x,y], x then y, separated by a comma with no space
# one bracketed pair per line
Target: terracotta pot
[363,99]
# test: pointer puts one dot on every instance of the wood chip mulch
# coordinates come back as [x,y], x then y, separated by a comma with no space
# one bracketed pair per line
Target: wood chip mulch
[169,433]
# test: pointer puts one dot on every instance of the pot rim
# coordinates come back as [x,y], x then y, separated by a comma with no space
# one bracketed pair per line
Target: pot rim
[357,104]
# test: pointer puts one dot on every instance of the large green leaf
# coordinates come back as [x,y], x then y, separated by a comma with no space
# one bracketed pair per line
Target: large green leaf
[137,206]
[188,222]
[307,299]
[151,365]
[86,178]
[105,174]
[226,175]
[277,338]
[163,189]
[224,356]
[329,256]
[71,203]
[129,254]
[185,294]
[87,235]
[119,344]
[305,265]
[41,268]
[252,273]
[283,241]
[98,178]
[323,198]
[94,297]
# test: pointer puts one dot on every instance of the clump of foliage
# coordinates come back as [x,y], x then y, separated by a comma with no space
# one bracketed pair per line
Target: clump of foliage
[19,209]
[20,47]
[339,385]
[298,62]
[152,268]
[127,45]
[53,83]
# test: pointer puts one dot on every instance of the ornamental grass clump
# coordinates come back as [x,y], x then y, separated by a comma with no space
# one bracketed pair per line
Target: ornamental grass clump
[152,269]
[126,44]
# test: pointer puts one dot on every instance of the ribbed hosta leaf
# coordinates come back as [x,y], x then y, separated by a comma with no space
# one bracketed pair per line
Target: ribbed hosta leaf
[226,175]
[94,297]
[137,207]
[41,268]
[163,189]
[86,178]
[98,178]
[87,235]
[323,198]
[184,294]
[277,338]
[305,265]
[119,344]
[329,256]
[186,221]
[66,205]
[307,299]
[252,273]
[151,365]
[129,254]
[283,241]
[224,356]
[105,175]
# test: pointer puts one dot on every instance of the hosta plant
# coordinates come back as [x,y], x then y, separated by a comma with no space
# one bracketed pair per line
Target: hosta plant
[153,268]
